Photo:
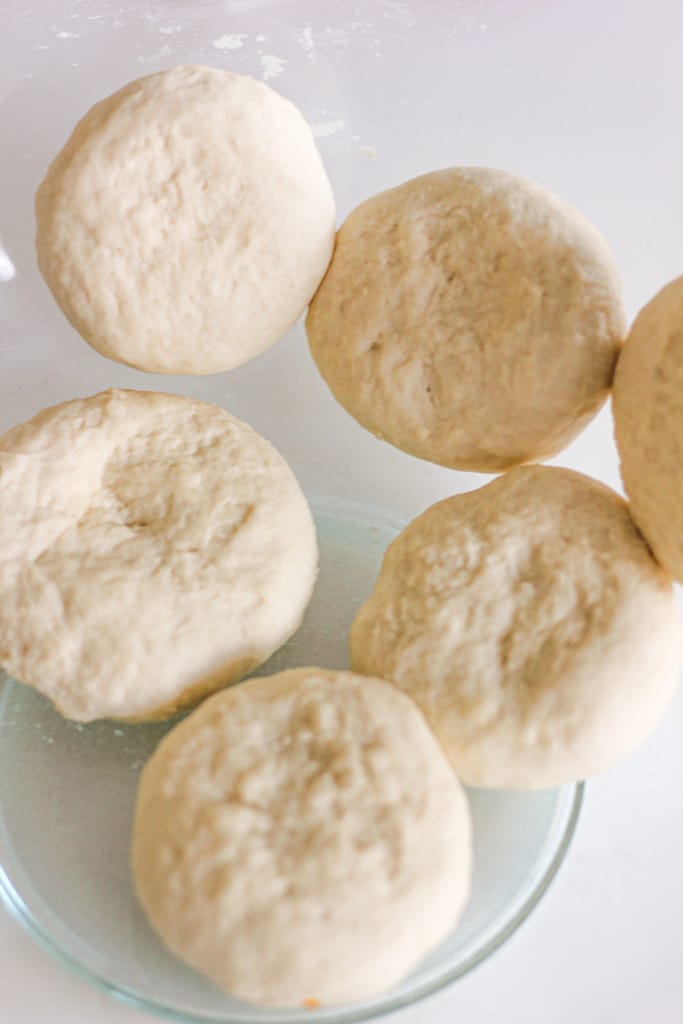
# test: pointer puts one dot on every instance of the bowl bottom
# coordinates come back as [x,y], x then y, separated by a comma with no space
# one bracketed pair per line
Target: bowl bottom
[67,793]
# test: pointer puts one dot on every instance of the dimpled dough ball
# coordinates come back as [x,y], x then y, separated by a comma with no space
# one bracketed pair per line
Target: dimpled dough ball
[301,839]
[186,223]
[152,549]
[648,420]
[469,317]
[530,623]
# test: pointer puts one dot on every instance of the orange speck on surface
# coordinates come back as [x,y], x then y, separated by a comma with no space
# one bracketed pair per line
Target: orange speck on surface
[311,1004]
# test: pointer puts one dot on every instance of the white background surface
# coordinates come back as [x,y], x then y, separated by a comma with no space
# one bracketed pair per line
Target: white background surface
[583,96]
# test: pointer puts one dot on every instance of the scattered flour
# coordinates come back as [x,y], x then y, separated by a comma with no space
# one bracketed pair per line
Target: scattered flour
[333,36]
[272,66]
[163,52]
[324,128]
[230,42]
[399,11]
[304,37]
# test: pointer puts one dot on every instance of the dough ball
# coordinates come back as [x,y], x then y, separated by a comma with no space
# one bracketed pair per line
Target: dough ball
[648,420]
[469,317]
[302,839]
[531,625]
[152,550]
[187,221]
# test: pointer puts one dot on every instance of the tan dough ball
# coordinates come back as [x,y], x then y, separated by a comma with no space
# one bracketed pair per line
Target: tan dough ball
[648,420]
[301,839]
[152,549]
[531,625]
[187,222]
[469,317]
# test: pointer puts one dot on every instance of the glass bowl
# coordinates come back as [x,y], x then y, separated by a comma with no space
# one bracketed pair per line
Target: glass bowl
[67,793]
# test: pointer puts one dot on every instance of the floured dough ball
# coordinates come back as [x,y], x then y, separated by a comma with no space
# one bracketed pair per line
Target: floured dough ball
[531,625]
[187,221]
[648,420]
[152,549]
[469,317]
[301,839]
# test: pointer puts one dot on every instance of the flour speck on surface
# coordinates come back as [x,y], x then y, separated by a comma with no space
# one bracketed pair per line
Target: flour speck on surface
[163,52]
[325,128]
[400,11]
[304,37]
[272,67]
[334,36]
[367,151]
[230,42]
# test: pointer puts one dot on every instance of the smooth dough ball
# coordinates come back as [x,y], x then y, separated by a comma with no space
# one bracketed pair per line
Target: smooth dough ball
[531,625]
[187,221]
[301,839]
[648,420]
[152,550]
[469,317]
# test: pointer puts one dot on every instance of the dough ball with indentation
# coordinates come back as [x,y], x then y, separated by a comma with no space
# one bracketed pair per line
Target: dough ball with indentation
[301,839]
[648,421]
[152,549]
[187,222]
[469,317]
[531,624]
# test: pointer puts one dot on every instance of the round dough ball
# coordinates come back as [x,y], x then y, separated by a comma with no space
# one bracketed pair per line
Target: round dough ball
[532,626]
[187,221]
[469,317]
[648,421]
[152,550]
[301,839]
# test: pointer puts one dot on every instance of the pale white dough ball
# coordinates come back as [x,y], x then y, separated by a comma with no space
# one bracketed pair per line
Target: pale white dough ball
[301,839]
[152,549]
[469,317]
[187,222]
[531,624]
[648,422]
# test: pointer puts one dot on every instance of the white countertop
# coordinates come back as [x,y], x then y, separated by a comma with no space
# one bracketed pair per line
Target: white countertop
[587,98]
